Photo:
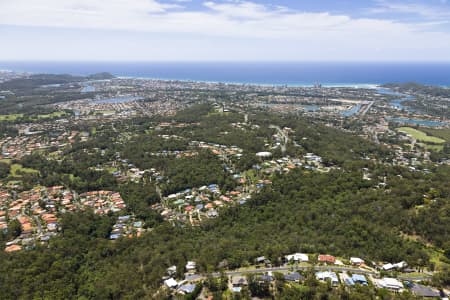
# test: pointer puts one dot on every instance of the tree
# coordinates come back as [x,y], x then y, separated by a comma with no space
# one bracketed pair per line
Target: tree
[4,169]
[14,228]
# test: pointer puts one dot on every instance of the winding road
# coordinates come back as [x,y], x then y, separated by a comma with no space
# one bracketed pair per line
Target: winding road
[284,135]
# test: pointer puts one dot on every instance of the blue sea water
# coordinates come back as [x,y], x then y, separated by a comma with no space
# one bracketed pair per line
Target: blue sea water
[268,73]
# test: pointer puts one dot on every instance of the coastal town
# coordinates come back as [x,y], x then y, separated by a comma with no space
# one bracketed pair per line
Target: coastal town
[141,153]
[225,150]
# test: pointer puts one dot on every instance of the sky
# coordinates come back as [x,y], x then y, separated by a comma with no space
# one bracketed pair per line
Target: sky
[225,30]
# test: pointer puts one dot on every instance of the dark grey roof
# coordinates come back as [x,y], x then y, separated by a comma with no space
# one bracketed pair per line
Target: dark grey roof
[424,291]
[266,278]
[295,276]
[187,288]
[239,280]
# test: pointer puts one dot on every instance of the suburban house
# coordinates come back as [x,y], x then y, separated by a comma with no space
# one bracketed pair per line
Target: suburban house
[293,277]
[297,257]
[327,275]
[170,283]
[390,284]
[359,279]
[262,260]
[191,266]
[424,291]
[265,278]
[171,270]
[238,282]
[356,261]
[398,266]
[347,280]
[187,288]
[388,267]
[324,258]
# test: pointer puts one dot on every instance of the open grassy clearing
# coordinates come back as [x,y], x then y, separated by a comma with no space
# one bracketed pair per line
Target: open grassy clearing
[10,117]
[6,161]
[14,117]
[440,133]
[431,147]
[421,136]
[16,169]
[52,115]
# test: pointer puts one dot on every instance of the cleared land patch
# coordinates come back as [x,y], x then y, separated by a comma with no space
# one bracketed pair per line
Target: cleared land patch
[440,133]
[421,136]
[17,169]
[10,117]
[56,114]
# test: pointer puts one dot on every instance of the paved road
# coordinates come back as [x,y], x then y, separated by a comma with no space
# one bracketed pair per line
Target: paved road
[367,108]
[38,223]
[288,268]
[285,137]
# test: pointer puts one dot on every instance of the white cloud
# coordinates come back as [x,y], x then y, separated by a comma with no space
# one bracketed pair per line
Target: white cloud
[237,26]
[245,9]
[427,11]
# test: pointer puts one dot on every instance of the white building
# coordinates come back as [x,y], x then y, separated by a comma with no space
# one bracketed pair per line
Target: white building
[356,261]
[191,266]
[171,283]
[297,257]
[324,276]
[390,284]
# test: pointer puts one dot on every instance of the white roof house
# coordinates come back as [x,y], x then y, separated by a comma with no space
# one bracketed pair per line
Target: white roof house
[400,265]
[390,283]
[297,257]
[171,283]
[190,266]
[356,260]
[172,270]
[327,275]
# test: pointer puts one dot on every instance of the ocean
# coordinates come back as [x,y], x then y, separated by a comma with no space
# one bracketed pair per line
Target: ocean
[266,73]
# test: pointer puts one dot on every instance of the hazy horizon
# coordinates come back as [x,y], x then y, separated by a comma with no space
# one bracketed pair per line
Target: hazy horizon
[278,73]
[220,30]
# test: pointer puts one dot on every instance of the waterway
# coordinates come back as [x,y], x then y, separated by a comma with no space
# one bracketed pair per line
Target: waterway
[427,123]
[354,110]
[88,89]
[397,103]
[311,108]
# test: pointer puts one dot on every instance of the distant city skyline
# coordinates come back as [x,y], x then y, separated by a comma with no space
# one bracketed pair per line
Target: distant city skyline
[185,30]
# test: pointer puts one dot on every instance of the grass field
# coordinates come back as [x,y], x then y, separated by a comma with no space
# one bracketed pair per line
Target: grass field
[13,117]
[10,117]
[52,115]
[420,135]
[16,169]
[440,133]
[431,147]
[6,161]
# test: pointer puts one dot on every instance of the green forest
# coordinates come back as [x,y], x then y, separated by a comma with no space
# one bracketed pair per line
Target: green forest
[336,212]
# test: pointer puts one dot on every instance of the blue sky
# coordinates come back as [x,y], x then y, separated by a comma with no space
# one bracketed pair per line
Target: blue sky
[225,30]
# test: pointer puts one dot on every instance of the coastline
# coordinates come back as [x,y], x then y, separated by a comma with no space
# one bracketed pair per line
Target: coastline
[296,74]
[250,83]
